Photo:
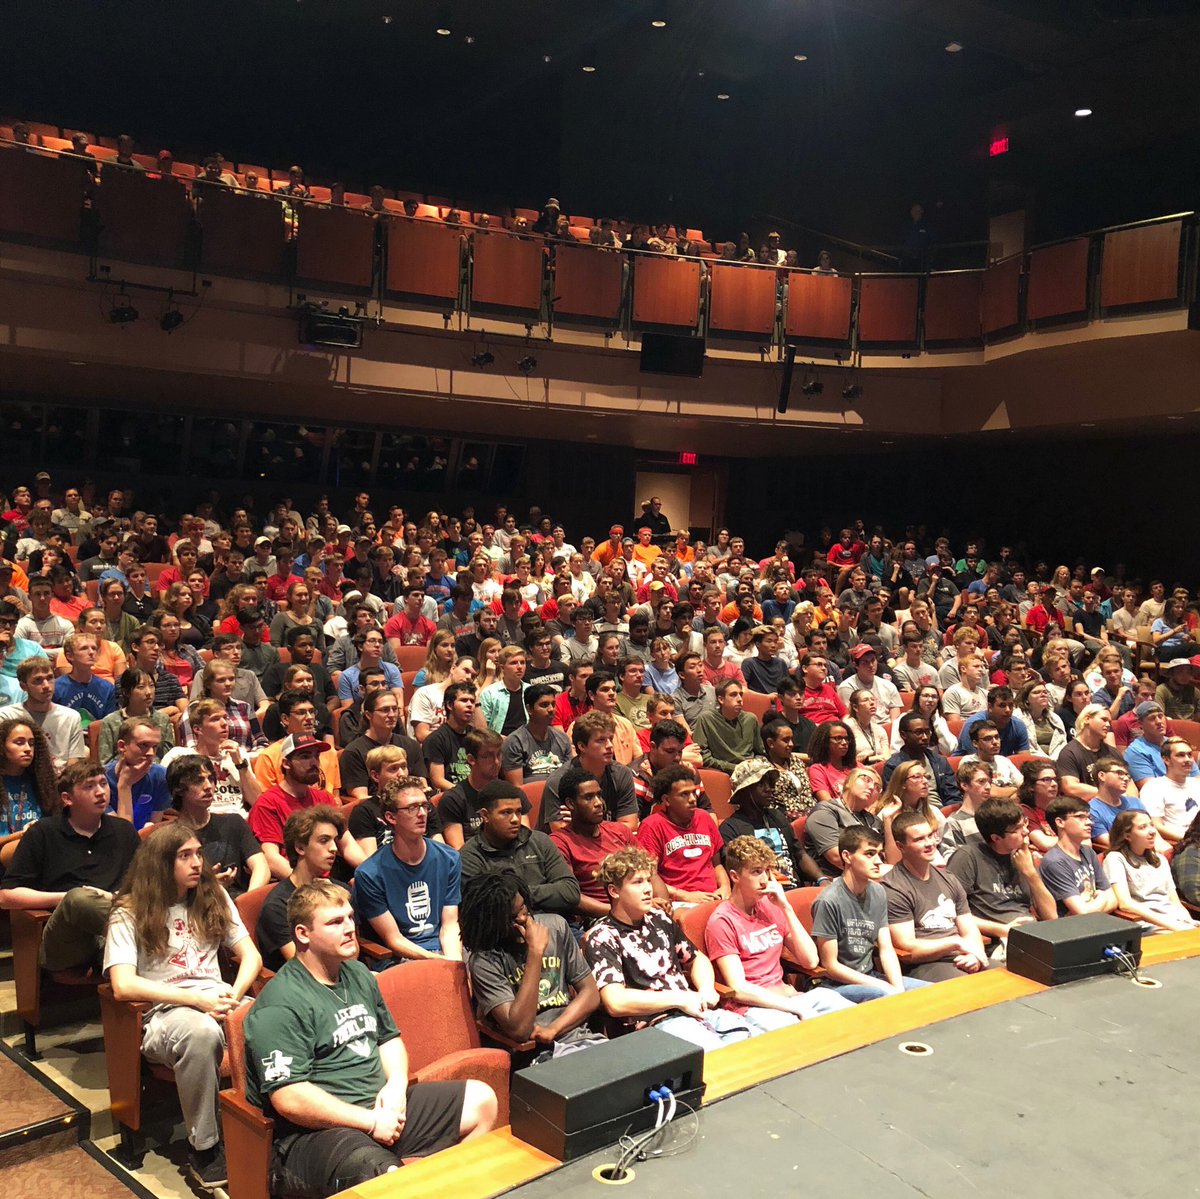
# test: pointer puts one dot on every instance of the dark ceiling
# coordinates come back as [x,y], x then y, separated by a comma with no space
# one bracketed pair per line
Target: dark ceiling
[879,114]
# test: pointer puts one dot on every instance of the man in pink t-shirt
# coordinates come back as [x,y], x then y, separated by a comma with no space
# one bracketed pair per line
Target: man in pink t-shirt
[746,936]
[683,840]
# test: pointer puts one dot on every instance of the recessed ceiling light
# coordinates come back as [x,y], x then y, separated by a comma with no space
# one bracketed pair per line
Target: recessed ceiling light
[722,95]
[800,57]
[1087,424]
[659,24]
[699,74]
[387,20]
[546,58]
[589,70]
[442,31]
[1083,112]
[469,39]
[953,47]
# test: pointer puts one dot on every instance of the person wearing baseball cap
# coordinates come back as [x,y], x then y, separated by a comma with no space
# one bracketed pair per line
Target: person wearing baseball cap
[1144,754]
[300,770]
[756,814]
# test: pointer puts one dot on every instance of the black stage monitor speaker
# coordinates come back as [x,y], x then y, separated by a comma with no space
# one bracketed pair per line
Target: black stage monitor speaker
[1060,951]
[669,354]
[591,1098]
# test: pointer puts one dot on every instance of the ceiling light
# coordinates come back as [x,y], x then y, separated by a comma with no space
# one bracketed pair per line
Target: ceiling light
[589,70]
[659,24]
[122,312]
[442,31]
[953,47]
[387,20]
[722,95]
[547,59]
[469,39]
[170,320]
[800,57]
[1083,112]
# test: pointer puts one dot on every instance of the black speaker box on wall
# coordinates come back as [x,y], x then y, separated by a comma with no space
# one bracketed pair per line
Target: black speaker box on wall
[670,354]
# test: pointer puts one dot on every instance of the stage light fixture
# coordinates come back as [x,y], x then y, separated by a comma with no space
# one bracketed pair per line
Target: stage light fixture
[812,387]
[527,365]
[852,391]
[1083,112]
[800,57]
[659,24]
[170,320]
[483,359]
[123,312]
[953,47]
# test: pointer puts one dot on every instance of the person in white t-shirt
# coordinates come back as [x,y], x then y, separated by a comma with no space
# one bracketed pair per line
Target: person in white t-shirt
[427,712]
[169,920]
[1174,801]
[969,694]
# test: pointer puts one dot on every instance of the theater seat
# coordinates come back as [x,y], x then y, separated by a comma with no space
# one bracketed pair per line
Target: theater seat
[411,657]
[247,1133]
[1189,730]
[129,1073]
[533,792]
[757,704]
[719,789]
[431,1003]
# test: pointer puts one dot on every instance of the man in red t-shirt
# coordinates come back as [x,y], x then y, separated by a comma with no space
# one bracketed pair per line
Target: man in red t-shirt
[847,551]
[820,702]
[300,766]
[409,627]
[683,840]
[283,578]
[572,703]
[715,666]
[588,839]
[1044,613]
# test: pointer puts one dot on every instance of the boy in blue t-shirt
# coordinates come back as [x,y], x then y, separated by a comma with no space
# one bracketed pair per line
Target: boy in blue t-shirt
[93,698]
[406,894]
[138,784]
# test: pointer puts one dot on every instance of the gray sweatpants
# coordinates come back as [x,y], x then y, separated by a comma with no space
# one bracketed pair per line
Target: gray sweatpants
[191,1043]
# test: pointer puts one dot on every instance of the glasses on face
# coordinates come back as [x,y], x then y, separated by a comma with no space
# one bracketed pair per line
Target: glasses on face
[413,809]
[1048,778]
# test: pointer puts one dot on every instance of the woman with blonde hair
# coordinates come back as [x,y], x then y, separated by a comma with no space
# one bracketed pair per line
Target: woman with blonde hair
[907,788]
[487,662]
[169,922]
[439,659]
[301,602]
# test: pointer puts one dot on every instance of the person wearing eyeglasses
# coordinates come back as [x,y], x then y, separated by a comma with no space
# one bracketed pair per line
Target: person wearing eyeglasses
[1110,800]
[407,893]
[1071,870]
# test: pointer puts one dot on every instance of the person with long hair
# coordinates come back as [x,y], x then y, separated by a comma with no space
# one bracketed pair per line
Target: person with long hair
[1171,632]
[907,788]
[1139,874]
[27,790]
[870,735]
[169,920]
[1043,725]
[439,659]
[832,755]
[217,682]
[178,657]
[301,601]
[1077,695]
[486,662]
[181,600]
[242,597]
[927,701]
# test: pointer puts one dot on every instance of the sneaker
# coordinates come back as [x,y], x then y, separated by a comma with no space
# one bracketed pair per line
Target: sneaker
[207,1167]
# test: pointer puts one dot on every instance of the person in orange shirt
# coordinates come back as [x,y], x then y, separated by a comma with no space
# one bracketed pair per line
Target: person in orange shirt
[643,551]
[611,549]
[683,551]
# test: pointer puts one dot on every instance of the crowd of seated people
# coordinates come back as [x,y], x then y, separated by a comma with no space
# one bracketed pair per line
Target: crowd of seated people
[596,771]
[551,224]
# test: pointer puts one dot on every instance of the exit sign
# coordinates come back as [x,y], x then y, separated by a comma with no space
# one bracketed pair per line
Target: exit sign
[998,146]
[686,458]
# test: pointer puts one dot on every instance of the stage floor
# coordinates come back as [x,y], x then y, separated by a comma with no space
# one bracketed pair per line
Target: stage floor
[1089,1088]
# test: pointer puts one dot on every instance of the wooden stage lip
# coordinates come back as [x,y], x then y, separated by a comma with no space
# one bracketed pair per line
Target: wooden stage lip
[498,1162]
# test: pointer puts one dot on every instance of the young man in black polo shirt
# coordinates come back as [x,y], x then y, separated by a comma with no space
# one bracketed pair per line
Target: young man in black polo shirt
[72,862]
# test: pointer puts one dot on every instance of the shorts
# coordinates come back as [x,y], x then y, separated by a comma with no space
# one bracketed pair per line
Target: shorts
[315,1164]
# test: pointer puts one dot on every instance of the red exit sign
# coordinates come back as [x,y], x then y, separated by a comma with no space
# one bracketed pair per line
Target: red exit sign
[998,146]
[687,458]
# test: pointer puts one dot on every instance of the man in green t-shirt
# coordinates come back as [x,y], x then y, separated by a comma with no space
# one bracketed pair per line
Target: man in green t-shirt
[324,1057]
